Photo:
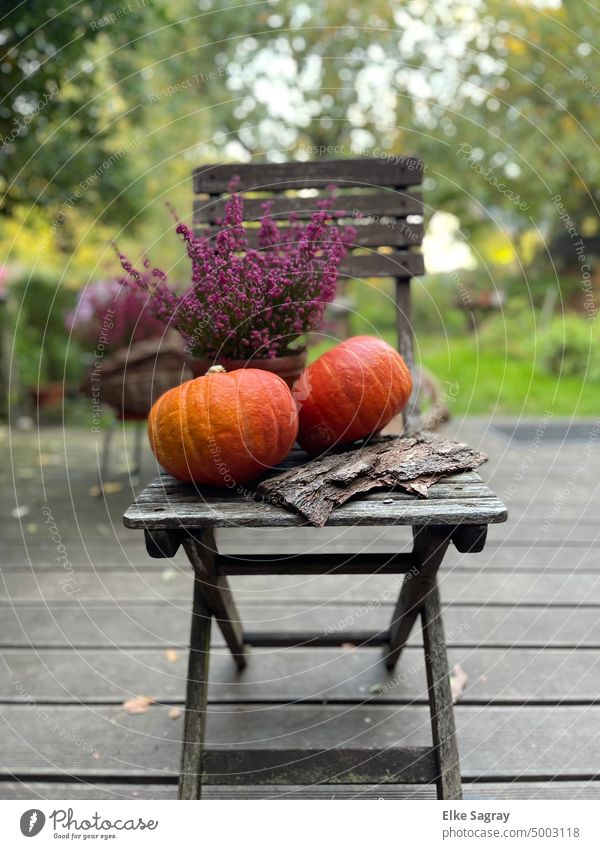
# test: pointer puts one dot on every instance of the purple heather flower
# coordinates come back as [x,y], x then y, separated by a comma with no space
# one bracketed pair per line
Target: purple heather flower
[245,301]
[123,314]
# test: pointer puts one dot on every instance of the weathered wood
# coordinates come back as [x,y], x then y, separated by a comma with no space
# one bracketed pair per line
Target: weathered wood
[162,543]
[469,539]
[416,765]
[390,204]
[201,550]
[190,776]
[333,637]
[361,563]
[192,511]
[414,463]
[440,698]
[430,546]
[395,172]
[411,414]
[400,264]
[395,234]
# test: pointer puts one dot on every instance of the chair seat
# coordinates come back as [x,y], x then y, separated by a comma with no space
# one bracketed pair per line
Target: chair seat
[462,499]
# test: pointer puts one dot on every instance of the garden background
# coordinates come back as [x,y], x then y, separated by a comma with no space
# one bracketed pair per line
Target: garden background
[98,131]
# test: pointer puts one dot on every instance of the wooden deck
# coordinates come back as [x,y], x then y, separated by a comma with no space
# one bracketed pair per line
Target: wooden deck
[89,621]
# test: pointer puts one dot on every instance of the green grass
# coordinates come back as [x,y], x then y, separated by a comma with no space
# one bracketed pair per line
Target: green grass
[499,374]
[493,381]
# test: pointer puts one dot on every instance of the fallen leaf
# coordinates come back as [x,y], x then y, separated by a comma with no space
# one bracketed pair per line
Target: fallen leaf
[19,512]
[458,682]
[168,575]
[112,486]
[138,704]
[31,528]
[49,459]
[174,713]
[106,489]
[171,655]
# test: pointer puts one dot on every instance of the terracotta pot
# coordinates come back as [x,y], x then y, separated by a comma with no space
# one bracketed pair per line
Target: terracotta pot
[48,394]
[289,367]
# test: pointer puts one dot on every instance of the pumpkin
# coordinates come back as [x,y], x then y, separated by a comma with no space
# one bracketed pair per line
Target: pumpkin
[350,392]
[224,428]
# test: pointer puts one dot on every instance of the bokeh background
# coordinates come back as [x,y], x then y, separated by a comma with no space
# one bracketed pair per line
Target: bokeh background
[105,111]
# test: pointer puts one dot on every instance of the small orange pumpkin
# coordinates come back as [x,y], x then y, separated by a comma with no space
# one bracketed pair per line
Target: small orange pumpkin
[223,429]
[350,392]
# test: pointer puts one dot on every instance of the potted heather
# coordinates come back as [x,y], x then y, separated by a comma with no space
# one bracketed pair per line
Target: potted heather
[250,305]
[132,358]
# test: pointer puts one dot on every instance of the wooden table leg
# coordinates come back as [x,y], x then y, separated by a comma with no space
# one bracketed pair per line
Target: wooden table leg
[201,550]
[190,778]
[440,698]
[430,545]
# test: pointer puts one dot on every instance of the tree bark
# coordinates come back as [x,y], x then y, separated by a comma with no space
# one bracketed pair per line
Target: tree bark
[413,463]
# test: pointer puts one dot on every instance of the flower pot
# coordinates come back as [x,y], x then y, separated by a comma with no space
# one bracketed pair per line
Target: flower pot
[288,367]
[48,394]
[131,379]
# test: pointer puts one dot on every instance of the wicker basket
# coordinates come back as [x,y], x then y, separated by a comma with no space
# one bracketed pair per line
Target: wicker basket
[131,379]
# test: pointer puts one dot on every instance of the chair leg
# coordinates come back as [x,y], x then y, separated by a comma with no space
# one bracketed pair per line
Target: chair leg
[440,698]
[190,778]
[431,543]
[136,472]
[105,458]
[201,551]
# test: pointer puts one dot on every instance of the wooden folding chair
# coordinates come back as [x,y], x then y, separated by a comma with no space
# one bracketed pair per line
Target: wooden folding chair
[459,508]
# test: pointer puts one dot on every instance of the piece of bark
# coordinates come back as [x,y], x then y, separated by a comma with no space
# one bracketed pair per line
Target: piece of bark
[413,463]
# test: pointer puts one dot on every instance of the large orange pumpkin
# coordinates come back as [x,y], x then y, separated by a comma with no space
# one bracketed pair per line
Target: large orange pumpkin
[350,392]
[224,428]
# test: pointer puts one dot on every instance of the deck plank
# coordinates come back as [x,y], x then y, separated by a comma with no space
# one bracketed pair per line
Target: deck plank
[145,625]
[175,584]
[520,617]
[97,789]
[323,675]
[529,742]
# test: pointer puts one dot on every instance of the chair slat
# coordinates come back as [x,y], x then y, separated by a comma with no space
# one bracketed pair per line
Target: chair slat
[389,203]
[235,765]
[362,563]
[394,234]
[396,172]
[400,264]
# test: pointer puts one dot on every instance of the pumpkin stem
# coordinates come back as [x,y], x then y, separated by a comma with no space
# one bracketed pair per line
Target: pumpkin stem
[216,370]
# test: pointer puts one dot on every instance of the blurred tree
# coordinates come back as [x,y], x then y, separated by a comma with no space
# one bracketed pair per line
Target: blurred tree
[527,116]
[499,100]
[56,141]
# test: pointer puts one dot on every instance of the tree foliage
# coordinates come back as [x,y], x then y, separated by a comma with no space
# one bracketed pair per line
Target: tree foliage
[500,100]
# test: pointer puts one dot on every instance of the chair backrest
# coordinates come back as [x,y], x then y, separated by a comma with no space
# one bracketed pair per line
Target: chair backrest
[375,195]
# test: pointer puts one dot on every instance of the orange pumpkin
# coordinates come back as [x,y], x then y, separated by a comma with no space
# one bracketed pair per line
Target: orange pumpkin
[350,392]
[224,428]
